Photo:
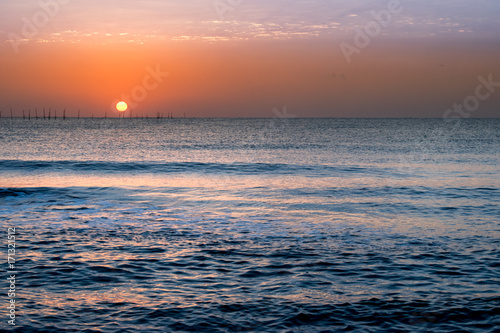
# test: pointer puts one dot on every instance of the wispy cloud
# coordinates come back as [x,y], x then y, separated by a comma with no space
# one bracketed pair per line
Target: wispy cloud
[197,19]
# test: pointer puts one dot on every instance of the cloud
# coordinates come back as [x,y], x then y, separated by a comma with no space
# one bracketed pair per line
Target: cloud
[199,19]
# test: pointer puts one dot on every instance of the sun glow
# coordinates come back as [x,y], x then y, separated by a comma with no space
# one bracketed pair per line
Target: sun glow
[121,106]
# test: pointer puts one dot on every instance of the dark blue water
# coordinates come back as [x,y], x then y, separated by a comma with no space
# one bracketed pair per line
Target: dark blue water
[252,225]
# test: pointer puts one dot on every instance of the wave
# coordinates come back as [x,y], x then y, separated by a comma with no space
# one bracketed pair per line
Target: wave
[20,192]
[180,167]
[73,192]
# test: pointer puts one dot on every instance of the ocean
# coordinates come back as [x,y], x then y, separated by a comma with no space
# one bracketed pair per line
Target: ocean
[250,225]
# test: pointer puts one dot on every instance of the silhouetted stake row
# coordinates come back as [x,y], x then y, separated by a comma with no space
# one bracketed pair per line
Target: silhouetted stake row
[48,115]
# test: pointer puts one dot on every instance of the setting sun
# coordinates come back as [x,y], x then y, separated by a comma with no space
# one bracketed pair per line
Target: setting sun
[121,106]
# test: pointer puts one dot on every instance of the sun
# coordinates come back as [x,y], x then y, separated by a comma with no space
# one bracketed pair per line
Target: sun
[121,106]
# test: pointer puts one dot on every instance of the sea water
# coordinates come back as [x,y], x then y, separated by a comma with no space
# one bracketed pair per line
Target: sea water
[252,225]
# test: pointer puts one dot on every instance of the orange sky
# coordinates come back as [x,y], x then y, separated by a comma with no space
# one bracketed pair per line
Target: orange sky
[250,78]
[245,58]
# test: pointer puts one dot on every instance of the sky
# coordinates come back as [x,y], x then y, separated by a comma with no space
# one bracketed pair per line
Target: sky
[240,58]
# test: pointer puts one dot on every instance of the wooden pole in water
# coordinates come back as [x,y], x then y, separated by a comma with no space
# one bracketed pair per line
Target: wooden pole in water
[78,113]
[64,114]
[24,117]
[49,112]
[55,114]
[36,113]
[43,113]
[29,114]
